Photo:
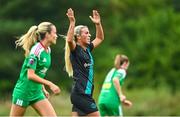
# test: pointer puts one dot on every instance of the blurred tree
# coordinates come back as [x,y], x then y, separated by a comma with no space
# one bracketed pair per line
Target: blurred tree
[146,31]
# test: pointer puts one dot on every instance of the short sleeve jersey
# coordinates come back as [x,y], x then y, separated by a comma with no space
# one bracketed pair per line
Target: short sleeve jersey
[38,60]
[82,63]
[108,91]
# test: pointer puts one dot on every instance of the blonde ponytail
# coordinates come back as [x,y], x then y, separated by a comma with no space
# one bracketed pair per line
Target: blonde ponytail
[68,65]
[117,61]
[34,34]
[27,40]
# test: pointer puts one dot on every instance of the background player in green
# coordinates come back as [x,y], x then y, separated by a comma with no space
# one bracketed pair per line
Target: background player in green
[111,95]
[29,89]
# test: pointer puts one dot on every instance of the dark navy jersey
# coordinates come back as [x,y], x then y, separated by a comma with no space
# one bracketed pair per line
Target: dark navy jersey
[82,63]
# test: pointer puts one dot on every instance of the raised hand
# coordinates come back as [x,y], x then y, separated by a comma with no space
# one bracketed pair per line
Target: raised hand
[95,17]
[70,14]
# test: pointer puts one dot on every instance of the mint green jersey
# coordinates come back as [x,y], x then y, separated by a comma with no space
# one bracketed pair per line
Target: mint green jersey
[108,92]
[39,60]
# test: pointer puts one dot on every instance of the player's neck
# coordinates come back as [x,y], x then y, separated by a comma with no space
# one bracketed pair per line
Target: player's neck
[44,45]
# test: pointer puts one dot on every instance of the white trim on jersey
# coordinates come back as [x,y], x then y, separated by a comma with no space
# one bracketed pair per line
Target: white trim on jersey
[123,72]
[37,49]
[49,49]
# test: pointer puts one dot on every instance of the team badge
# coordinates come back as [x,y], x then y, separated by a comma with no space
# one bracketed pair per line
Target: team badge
[31,61]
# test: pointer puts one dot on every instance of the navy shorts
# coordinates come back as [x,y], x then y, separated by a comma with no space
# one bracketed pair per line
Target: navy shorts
[83,104]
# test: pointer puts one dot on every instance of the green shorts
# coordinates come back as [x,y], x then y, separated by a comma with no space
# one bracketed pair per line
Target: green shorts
[110,109]
[25,103]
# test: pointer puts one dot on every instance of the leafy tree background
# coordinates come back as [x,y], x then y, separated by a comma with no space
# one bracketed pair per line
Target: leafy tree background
[147,31]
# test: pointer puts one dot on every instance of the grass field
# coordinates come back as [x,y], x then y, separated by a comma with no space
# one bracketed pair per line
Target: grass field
[146,102]
[61,103]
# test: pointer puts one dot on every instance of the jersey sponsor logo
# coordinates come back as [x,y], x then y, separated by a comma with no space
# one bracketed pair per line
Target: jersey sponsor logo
[106,85]
[44,70]
[19,102]
[87,65]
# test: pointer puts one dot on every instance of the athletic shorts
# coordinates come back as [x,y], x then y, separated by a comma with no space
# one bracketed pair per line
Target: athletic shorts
[106,109]
[83,104]
[25,103]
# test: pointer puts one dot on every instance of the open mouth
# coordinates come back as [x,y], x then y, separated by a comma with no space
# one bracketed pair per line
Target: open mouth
[88,39]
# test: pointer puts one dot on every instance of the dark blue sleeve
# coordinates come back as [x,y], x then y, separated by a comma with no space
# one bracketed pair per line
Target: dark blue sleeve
[76,49]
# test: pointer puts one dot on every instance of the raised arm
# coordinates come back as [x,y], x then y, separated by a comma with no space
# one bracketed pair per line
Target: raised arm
[99,30]
[70,33]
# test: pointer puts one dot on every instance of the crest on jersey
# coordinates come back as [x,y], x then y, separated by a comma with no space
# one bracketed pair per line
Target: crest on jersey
[31,61]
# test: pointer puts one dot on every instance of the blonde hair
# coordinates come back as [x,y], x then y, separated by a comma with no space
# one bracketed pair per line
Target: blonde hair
[119,60]
[68,64]
[34,34]
[77,30]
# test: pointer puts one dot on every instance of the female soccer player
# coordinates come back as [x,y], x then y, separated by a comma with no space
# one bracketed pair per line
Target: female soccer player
[111,97]
[29,89]
[79,64]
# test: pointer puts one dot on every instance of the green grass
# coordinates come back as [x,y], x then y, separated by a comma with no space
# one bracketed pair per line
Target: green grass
[61,104]
[149,102]
[146,102]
